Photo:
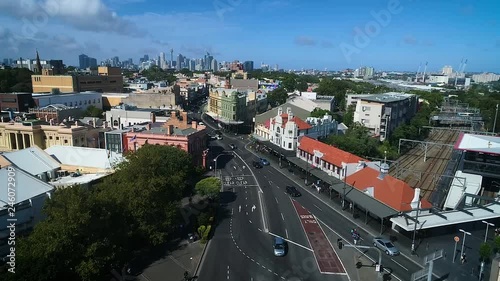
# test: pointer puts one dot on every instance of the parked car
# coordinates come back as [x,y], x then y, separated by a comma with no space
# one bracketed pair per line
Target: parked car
[292,191]
[264,162]
[279,246]
[385,245]
[192,237]
[257,165]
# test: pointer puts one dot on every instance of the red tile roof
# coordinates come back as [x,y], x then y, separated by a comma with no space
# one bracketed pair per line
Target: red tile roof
[300,123]
[392,192]
[331,154]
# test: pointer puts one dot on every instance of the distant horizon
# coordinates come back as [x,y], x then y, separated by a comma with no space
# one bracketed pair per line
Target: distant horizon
[390,34]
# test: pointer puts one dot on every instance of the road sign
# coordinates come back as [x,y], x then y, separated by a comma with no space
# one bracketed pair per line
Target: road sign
[456,238]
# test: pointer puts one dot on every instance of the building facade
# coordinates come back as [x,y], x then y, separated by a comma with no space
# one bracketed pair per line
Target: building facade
[177,132]
[383,113]
[228,106]
[108,79]
[17,102]
[56,112]
[125,115]
[23,134]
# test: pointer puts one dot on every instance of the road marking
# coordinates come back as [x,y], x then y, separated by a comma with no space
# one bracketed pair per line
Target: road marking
[276,274]
[257,262]
[399,264]
[269,270]
[247,213]
[282,216]
[259,229]
[246,198]
[318,207]
[239,209]
[232,211]
[276,199]
[286,232]
[290,241]
[250,221]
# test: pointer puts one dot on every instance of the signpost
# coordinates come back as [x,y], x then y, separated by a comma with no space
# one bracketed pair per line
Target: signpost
[457,239]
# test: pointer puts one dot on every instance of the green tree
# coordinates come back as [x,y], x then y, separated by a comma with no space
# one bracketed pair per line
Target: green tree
[318,112]
[496,244]
[186,72]
[209,187]
[157,74]
[357,141]
[348,118]
[289,83]
[15,80]
[485,252]
[302,86]
[277,96]
[93,111]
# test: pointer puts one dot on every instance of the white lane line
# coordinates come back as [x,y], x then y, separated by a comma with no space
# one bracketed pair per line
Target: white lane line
[259,229]
[247,213]
[399,264]
[269,270]
[276,199]
[286,232]
[250,221]
[232,211]
[282,216]
[257,262]
[290,241]
[228,272]
[318,207]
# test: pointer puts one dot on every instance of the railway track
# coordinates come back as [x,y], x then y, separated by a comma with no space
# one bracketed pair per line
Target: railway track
[412,169]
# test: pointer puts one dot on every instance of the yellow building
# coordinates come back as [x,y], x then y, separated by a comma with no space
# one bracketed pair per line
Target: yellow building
[108,79]
[20,135]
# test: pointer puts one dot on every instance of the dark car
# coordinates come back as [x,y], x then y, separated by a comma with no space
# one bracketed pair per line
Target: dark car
[264,162]
[257,165]
[292,191]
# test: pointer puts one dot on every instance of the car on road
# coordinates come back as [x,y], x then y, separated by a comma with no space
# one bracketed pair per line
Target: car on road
[385,245]
[257,165]
[264,162]
[279,246]
[292,191]
[232,146]
[218,137]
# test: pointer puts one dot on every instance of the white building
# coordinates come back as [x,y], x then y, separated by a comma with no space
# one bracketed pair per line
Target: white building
[447,70]
[382,113]
[125,115]
[81,100]
[485,77]
[321,127]
[286,128]
[438,79]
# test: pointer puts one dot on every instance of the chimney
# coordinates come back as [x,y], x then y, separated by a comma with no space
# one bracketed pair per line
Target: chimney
[119,122]
[194,124]
[184,117]
[170,130]
[416,199]
[153,117]
[95,122]
[280,111]
[384,170]
[290,114]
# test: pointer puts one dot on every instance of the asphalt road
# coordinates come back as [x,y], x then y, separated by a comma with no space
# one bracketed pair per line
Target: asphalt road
[401,267]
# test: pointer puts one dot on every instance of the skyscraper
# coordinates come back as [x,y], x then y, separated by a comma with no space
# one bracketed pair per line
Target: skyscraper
[83,61]
[163,64]
[248,66]
[180,62]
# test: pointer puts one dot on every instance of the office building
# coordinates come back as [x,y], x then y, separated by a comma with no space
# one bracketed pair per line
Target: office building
[248,66]
[17,102]
[108,79]
[86,61]
[485,77]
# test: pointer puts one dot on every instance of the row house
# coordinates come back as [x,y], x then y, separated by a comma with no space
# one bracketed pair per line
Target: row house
[285,129]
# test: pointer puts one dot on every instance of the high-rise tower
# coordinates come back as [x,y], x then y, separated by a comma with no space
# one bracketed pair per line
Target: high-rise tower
[171,58]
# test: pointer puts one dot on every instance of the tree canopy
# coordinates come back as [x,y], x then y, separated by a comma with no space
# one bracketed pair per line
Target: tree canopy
[357,140]
[277,96]
[157,74]
[15,80]
[93,111]
[90,231]
[209,187]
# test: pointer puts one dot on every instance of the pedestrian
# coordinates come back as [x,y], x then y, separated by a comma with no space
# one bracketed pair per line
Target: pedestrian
[350,206]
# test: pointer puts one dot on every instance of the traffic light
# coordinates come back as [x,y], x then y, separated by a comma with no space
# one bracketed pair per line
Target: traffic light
[340,243]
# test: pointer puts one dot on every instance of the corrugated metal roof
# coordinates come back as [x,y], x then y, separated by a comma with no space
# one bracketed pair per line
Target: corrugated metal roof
[32,160]
[27,186]
[297,111]
[84,156]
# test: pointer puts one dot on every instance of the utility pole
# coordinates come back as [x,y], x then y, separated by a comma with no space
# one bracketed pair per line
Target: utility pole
[495,121]
[378,268]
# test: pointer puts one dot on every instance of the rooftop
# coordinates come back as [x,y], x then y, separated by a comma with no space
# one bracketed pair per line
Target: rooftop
[71,181]
[331,154]
[42,95]
[300,123]
[84,156]
[33,160]
[392,192]
[27,186]
[387,97]
[478,143]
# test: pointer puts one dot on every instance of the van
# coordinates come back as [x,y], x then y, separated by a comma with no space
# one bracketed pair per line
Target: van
[279,246]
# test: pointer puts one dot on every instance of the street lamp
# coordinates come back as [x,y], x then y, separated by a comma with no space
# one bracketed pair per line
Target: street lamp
[488,224]
[463,242]
[215,160]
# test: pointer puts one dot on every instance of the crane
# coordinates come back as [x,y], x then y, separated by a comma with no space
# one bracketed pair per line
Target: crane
[418,71]
[458,71]
[425,70]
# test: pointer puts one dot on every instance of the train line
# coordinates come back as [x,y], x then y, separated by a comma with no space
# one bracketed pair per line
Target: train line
[412,169]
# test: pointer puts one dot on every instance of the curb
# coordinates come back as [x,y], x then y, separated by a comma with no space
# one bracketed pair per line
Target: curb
[202,258]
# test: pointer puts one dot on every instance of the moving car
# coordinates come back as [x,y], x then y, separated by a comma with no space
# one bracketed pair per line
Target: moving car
[279,246]
[292,191]
[257,165]
[386,246]
[264,162]
[232,146]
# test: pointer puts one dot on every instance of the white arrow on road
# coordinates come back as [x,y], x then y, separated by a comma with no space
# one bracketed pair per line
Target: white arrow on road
[253,208]
[239,209]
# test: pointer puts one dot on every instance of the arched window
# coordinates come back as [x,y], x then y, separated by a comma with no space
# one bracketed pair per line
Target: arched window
[115,123]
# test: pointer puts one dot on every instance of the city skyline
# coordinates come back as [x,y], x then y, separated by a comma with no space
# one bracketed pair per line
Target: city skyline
[389,35]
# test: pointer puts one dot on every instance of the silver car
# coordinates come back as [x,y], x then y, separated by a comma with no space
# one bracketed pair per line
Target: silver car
[279,246]
[386,246]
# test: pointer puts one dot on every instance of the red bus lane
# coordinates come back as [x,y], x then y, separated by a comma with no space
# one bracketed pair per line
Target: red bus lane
[327,259]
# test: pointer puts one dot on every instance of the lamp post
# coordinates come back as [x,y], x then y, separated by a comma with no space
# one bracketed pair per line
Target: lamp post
[495,121]
[463,242]
[415,228]
[215,160]
[488,224]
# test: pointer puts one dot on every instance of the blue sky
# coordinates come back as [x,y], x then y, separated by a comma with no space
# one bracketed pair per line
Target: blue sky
[291,33]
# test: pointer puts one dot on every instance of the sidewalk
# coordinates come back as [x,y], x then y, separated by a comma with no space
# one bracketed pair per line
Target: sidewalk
[453,271]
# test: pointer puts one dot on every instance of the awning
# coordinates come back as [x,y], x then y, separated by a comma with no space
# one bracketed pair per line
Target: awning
[224,120]
[354,195]
[275,148]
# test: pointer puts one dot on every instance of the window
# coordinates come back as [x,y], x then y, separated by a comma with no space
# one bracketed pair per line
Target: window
[65,141]
[57,138]
[289,145]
